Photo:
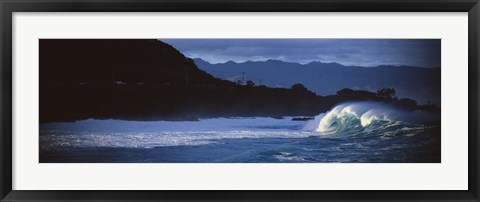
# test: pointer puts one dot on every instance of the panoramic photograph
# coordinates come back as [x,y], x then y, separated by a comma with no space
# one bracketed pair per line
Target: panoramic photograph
[240,100]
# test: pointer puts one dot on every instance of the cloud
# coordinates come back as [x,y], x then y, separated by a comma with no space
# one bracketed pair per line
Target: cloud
[361,52]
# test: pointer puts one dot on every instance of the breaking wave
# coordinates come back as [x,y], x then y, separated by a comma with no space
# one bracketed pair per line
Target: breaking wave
[363,117]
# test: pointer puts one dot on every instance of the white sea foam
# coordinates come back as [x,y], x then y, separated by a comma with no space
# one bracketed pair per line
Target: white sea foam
[151,134]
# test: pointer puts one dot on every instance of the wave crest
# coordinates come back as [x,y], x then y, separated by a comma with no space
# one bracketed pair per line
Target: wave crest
[355,117]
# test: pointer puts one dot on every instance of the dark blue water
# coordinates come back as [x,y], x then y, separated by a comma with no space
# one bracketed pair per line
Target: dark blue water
[347,134]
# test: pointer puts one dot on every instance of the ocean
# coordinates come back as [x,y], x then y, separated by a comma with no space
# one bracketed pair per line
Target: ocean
[361,132]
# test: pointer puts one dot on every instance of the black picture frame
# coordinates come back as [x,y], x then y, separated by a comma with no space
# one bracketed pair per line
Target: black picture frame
[8,7]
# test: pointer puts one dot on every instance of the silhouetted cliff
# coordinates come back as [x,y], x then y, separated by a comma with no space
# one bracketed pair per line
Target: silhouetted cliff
[120,61]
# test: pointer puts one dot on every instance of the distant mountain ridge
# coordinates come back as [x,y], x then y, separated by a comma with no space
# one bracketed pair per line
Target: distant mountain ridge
[421,84]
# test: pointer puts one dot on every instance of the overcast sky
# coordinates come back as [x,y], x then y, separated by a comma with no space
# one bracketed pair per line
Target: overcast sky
[359,52]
